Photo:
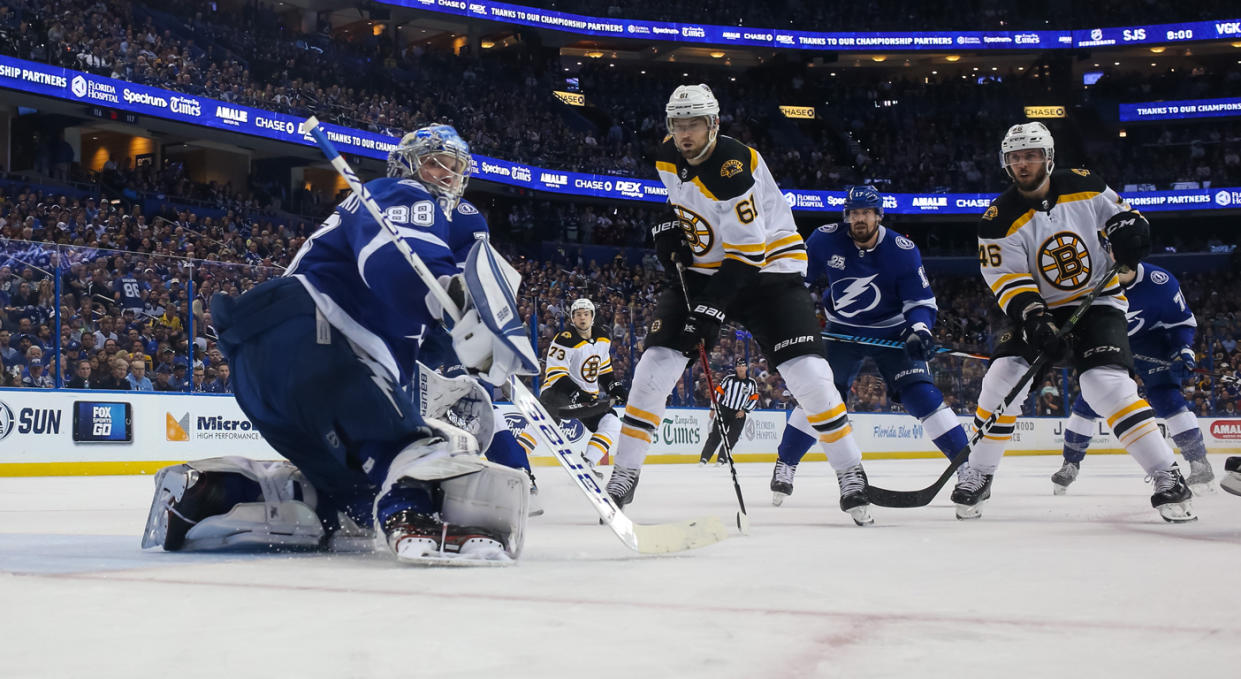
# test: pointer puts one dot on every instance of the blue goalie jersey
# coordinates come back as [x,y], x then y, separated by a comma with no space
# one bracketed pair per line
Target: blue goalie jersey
[364,286]
[1160,322]
[872,293]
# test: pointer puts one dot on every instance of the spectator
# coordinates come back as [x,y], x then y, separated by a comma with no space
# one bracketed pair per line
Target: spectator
[223,383]
[138,381]
[82,377]
[35,378]
[162,375]
[116,379]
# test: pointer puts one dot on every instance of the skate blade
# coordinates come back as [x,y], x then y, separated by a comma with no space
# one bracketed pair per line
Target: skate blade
[1057,489]
[969,512]
[1177,512]
[777,498]
[861,515]
[436,559]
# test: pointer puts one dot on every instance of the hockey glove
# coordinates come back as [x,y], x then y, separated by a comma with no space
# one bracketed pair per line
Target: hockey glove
[670,246]
[584,406]
[618,392]
[919,342]
[1130,236]
[702,327]
[1039,332]
[1183,364]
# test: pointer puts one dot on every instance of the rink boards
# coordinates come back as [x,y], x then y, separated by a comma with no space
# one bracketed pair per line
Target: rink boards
[97,432]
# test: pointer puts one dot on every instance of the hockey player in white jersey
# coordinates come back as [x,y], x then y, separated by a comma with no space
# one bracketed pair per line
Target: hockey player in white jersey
[1161,326]
[744,260]
[1043,244]
[579,383]
[325,366]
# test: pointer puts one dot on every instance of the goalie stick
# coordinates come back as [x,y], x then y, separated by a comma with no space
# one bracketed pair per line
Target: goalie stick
[743,518]
[645,539]
[883,497]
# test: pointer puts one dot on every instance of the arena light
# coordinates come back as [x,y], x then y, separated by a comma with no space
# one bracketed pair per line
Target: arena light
[1158,50]
[717,54]
[1045,112]
[801,112]
[595,55]
[570,98]
[952,58]
[488,44]
[879,58]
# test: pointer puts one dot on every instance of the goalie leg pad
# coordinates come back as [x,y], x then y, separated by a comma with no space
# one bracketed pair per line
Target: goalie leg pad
[495,499]
[232,502]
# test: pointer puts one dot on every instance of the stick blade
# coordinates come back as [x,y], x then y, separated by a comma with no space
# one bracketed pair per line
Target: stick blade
[666,538]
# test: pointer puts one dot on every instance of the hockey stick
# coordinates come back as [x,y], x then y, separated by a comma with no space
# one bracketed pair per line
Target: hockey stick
[920,498]
[899,344]
[646,539]
[1222,377]
[743,519]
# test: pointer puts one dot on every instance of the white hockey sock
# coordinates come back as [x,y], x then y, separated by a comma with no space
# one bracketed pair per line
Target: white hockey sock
[603,438]
[809,378]
[1000,378]
[654,377]
[1113,394]
[798,421]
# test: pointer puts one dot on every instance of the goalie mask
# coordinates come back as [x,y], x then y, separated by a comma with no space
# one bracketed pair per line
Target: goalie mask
[436,157]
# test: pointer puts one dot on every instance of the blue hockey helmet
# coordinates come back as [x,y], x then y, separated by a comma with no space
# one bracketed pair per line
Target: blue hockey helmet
[437,144]
[864,196]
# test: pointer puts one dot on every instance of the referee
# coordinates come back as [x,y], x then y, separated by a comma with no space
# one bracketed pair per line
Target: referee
[737,395]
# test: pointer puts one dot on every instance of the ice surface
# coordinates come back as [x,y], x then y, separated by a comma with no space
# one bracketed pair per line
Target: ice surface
[1091,584]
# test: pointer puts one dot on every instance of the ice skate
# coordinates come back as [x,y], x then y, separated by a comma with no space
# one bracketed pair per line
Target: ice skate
[1172,495]
[1062,479]
[590,466]
[1200,475]
[622,484]
[972,490]
[536,507]
[424,540]
[853,499]
[1231,482]
[782,482]
[413,535]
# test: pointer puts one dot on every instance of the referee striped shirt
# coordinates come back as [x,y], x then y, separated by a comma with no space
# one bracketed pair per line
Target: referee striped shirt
[737,394]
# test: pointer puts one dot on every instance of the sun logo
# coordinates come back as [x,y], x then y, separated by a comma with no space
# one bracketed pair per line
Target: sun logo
[1064,261]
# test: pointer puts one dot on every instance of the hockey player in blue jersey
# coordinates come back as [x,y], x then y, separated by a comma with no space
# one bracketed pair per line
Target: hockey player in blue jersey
[1161,326]
[876,287]
[325,365]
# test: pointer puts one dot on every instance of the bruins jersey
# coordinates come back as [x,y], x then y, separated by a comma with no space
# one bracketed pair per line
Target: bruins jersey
[1052,251]
[583,361]
[730,208]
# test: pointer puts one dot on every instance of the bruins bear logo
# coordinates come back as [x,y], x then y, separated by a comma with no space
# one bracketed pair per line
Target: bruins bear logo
[731,168]
[590,369]
[1064,261]
[698,231]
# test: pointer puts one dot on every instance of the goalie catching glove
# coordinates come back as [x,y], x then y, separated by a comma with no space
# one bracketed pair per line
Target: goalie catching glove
[488,336]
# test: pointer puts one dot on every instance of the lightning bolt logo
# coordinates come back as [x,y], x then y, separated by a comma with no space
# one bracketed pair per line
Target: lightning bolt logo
[1130,317]
[852,292]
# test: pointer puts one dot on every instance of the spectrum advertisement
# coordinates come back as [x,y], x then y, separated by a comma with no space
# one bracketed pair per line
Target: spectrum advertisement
[706,34]
[61,83]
